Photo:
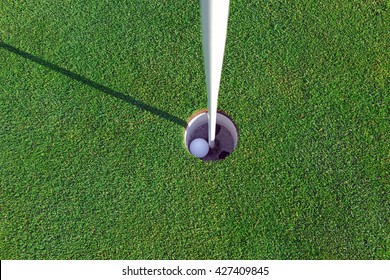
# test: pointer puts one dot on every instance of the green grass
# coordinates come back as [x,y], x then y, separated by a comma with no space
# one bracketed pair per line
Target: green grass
[94,96]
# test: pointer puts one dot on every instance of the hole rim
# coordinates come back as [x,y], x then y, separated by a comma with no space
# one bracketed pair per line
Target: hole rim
[220,112]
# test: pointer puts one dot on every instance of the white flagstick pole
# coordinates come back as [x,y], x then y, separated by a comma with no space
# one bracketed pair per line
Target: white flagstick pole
[215,15]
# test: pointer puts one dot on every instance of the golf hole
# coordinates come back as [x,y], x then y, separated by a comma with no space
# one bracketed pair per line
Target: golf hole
[226,136]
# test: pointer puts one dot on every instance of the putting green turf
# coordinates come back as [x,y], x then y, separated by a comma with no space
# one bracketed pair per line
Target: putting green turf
[94,96]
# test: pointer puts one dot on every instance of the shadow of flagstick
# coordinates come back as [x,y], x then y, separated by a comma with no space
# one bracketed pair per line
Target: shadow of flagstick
[95,85]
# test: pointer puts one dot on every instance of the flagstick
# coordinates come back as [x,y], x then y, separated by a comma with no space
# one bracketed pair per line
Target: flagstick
[215,15]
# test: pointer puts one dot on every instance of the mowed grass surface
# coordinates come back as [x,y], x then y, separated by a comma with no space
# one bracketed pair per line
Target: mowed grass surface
[94,96]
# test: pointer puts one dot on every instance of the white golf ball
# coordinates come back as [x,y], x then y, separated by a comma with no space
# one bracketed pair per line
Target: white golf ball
[199,147]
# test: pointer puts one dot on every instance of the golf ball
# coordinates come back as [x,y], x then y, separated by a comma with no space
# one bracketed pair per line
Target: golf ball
[199,147]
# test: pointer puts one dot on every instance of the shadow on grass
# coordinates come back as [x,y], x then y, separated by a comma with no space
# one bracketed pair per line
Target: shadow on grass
[95,85]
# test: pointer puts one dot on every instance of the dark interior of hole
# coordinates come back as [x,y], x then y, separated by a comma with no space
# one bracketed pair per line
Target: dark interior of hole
[224,143]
